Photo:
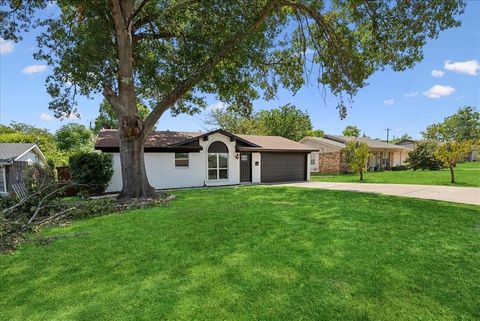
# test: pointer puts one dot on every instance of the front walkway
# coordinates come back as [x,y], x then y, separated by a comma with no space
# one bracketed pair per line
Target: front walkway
[466,195]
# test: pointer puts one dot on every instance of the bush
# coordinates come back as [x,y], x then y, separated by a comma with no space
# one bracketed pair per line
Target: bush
[422,157]
[91,170]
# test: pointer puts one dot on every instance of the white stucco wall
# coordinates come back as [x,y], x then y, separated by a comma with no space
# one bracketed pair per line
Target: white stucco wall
[256,178]
[309,167]
[162,173]
[316,166]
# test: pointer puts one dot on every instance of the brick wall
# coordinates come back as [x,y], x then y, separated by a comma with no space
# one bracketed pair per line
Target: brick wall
[331,162]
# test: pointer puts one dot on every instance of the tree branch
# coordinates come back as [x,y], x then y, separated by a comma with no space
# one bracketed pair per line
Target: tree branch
[205,68]
[112,98]
[136,12]
[158,35]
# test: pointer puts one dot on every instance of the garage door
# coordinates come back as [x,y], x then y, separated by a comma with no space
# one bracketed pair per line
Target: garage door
[278,167]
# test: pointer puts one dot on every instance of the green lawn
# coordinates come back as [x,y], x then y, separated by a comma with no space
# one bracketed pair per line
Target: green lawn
[466,174]
[255,253]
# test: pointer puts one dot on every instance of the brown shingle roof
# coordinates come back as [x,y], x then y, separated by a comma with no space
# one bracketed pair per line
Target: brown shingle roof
[372,143]
[108,138]
[275,143]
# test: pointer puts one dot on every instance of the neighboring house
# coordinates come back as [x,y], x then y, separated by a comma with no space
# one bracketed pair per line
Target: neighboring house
[412,143]
[408,143]
[14,157]
[192,159]
[329,156]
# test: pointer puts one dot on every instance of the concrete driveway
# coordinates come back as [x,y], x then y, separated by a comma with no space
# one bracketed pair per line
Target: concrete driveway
[466,195]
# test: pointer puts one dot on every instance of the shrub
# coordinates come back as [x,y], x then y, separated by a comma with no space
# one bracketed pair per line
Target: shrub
[357,156]
[399,168]
[423,157]
[91,170]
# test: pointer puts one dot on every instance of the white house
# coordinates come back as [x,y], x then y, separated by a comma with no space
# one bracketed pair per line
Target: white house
[192,159]
[14,157]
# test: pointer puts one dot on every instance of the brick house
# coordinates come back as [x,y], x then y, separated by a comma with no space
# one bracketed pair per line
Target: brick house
[330,156]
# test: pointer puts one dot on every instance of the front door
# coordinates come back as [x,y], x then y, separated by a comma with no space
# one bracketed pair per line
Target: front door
[245,167]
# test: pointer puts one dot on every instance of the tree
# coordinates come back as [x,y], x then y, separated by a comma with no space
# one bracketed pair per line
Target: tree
[172,53]
[399,139]
[461,126]
[286,121]
[74,137]
[24,133]
[351,130]
[452,152]
[315,133]
[357,154]
[107,117]
[234,122]
[423,156]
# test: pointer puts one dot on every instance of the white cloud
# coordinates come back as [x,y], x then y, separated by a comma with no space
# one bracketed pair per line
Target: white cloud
[439,91]
[437,73]
[470,67]
[34,69]
[46,117]
[217,106]
[410,95]
[389,102]
[6,46]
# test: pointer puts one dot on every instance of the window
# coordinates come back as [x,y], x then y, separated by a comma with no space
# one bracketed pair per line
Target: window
[181,159]
[217,161]
[3,182]
[312,160]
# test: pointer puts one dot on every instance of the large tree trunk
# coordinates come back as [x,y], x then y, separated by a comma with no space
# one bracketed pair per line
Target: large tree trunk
[134,176]
[452,175]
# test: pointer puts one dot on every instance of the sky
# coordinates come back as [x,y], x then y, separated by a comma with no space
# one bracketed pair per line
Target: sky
[406,102]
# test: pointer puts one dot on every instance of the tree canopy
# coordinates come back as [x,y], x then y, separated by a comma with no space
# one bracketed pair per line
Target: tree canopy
[74,137]
[461,126]
[351,130]
[287,121]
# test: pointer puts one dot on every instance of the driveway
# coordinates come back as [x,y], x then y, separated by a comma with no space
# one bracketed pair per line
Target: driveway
[466,195]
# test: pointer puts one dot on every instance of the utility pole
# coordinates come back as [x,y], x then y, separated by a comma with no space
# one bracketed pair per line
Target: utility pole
[388,132]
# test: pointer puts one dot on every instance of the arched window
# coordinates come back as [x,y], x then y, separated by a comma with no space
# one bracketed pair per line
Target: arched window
[217,161]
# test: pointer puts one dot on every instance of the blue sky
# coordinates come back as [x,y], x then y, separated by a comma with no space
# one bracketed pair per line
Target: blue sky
[447,79]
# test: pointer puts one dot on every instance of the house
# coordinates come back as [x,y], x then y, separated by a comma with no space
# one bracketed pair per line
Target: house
[329,156]
[412,143]
[192,159]
[408,143]
[14,157]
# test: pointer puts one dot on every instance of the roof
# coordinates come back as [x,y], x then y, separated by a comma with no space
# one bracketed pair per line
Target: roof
[274,143]
[325,141]
[372,143]
[164,141]
[11,151]
[108,138]
[407,141]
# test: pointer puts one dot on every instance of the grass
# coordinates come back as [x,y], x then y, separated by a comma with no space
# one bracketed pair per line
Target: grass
[255,253]
[466,174]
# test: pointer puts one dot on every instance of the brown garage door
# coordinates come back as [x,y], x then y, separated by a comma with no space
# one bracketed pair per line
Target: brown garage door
[278,167]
